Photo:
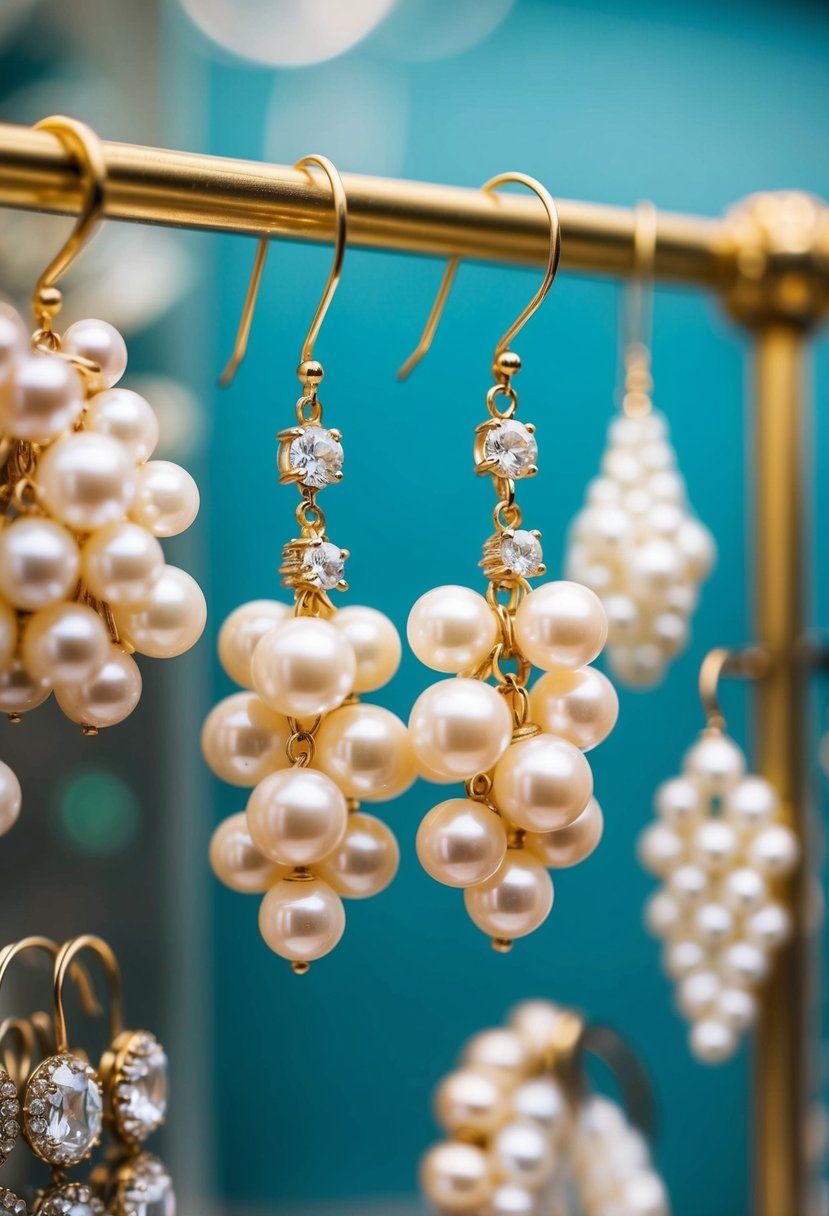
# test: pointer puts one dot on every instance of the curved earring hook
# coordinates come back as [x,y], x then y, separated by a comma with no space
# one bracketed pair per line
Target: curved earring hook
[79,974]
[751,663]
[639,293]
[430,328]
[82,142]
[340,240]
[64,960]
[18,1068]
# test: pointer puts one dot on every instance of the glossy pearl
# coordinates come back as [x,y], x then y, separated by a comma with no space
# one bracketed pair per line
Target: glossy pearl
[87,481]
[39,563]
[542,1101]
[644,1195]
[8,630]
[713,923]
[11,796]
[751,804]
[452,629]
[641,666]
[502,1051]
[714,846]
[45,398]
[458,728]
[696,546]
[375,642]
[101,344]
[244,740]
[570,845]
[65,643]
[624,620]
[542,783]
[236,862]
[713,1040]
[716,763]
[744,964]
[242,631]
[774,851]
[366,860]
[366,750]
[688,883]
[126,417]
[664,914]
[769,927]
[660,849]
[510,1200]
[166,498]
[737,1008]
[106,697]
[521,1153]
[13,338]
[580,706]
[697,993]
[681,958]
[301,921]
[470,1101]
[515,900]
[461,843]
[170,620]
[536,1022]
[456,1177]
[303,667]
[122,563]
[744,889]
[21,691]
[678,802]
[560,625]
[296,816]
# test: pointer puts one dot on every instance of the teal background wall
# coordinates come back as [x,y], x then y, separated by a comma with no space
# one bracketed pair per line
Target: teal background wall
[692,105]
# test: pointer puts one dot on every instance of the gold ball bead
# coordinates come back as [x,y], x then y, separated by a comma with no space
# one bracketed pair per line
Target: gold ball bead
[310,372]
[50,299]
[507,363]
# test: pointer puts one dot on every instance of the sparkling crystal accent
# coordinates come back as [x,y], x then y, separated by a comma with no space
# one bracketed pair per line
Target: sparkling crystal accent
[9,1109]
[71,1124]
[511,448]
[317,456]
[141,1090]
[71,1199]
[325,564]
[11,1204]
[521,553]
[146,1189]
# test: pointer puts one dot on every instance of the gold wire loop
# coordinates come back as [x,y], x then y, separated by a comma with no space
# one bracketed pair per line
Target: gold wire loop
[502,390]
[749,663]
[112,970]
[340,240]
[90,1003]
[429,330]
[18,1066]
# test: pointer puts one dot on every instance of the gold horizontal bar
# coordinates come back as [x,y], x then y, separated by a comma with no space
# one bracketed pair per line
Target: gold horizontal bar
[188,190]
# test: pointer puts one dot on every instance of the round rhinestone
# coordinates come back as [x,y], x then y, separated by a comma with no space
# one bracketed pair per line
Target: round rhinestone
[511,448]
[521,553]
[145,1189]
[11,1204]
[71,1199]
[141,1104]
[317,456]
[9,1112]
[325,565]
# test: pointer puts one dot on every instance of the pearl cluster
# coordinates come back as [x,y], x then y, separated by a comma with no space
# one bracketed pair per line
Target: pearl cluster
[638,546]
[83,581]
[719,846]
[519,1141]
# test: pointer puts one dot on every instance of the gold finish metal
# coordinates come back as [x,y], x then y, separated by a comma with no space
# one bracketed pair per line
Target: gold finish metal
[750,663]
[87,993]
[64,961]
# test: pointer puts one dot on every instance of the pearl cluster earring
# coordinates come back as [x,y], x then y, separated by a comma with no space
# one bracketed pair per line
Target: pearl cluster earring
[520,751]
[719,846]
[300,736]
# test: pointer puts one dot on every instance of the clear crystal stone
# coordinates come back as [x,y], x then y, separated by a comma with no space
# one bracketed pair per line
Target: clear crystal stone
[143,1099]
[317,455]
[6,1147]
[511,448]
[11,1205]
[325,564]
[71,1199]
[73,1110]
[149,1189]
[521,553]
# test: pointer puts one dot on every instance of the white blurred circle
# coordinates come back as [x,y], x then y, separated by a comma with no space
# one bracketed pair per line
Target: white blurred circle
[421,30]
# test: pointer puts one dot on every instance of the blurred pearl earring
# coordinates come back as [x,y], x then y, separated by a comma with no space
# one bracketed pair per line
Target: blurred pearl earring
[637,542]
[303,839]
[528,803]
[720,847]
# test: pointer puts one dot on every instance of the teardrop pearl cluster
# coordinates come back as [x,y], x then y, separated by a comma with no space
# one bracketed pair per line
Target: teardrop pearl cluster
[83,580]
[719,847]
[637,544]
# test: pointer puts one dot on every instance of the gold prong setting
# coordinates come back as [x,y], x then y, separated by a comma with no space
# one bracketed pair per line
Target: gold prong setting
[310,456]
[506,447]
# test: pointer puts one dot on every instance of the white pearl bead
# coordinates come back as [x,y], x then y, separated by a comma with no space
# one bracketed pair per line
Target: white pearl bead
[621,466]
[301,920]
[560,625]
[713,924]
[542,783]
[11,796]
[515,900]
[714,846]
[121,563]
[654,566]
[456,1177]
[126,417]
[242,630]
[688,883]
[599,1121]
[744,889]
[366,750]
[644,1195]
[461,843]
[667,486]
[536,1022]
[681,958]
[751,804]
[101,343]
[641,666]
[236,862]
[542,1101]
[106,697]
[660,848]
[716,763]
[601,492]
[670,632]
[744,964]
[452,629]
[664,519]
[572,844]
[13,339]
[697,993]
[470,1101]
[664,914]
[375,642]
[166,498]
[511,1200]
[678,802]
[769,927]
[303,667]
[366,860]
[39,563]
[45,398]
[8,629]
[458,728]
[737,1008]
[502,1050]
[296,816]
[521,1153]
[713,1041]
[580,706]
[774,851]
[624,620]
[65,643]
[20,691]
[696,546]
[87,481]
[170,620]
[244,740]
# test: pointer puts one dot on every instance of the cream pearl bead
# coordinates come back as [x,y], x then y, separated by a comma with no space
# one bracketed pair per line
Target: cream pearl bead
[366,750]
[126,417]
[101,344]
[106,697]
[515,900]
[461,842]
[121,563]
[456,1177]
[13,338]
[580,706]
[39,563]
[624,620]
[697,548]
[503,1050]
[65,643]
[697,993]
[660,848]
[681,958]
[87,481]
[537,1022]
[166,498]
[570,845]
[644,1195]
[301,920]
[641,666]
[713,1041]
[737,1008]
[751,804]
[170,620]
[542,1101]
[296,816]
[688,883]
[774,851]
[511,1200]
[45,399]
[237,863]
[244,740]
[769,927]
[716,763]
[458,728]
[470,1101]
[366,860]
[375,642]
[654,566]
[560,625]
[452,629]
[713,924]
[521,1153]
[11,795]
[678,802]
[744,889]
[542,783]
[664,914]
[303,667]
[243,630]
[21,691]
[8,633]
[714,846]
[744,964]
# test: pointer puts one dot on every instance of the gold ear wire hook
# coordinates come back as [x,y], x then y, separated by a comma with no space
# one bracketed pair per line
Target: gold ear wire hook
[340,240]
[82,142]
[18,1068]
[430,328]
[64,960]
[79,974]
[750,663]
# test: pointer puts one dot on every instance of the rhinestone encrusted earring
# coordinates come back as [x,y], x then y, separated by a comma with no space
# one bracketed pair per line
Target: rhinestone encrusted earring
[520,751]
[298,733]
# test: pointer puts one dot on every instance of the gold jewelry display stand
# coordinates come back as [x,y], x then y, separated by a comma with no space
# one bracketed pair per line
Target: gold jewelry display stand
[768,261]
